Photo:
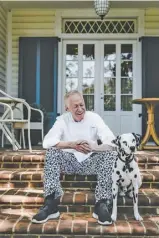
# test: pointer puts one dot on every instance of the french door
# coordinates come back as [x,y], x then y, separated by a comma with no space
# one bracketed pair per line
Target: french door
[105,72]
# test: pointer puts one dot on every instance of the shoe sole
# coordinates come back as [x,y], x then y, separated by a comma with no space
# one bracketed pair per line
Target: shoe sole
[95,216]
[51,216]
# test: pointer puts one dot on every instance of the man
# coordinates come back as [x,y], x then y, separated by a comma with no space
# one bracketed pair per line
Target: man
[69,146]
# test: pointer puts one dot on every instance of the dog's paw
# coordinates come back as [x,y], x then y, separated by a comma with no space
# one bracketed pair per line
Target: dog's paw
[122,194]
[130,194]
[138,217]
[113,217]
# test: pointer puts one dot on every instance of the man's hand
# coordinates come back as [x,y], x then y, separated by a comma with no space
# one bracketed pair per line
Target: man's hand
[82,146]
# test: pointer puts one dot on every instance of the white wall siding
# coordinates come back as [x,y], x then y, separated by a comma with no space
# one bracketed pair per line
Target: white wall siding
[31,23]
[152,22]
[3,41]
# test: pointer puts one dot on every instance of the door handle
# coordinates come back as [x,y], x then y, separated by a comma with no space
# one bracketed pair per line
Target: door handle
[101,97]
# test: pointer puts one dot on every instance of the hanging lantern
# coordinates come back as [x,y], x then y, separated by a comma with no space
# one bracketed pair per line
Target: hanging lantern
[101,7]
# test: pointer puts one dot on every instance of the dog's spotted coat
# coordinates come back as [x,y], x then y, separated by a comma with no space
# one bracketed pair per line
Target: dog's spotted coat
[126,175]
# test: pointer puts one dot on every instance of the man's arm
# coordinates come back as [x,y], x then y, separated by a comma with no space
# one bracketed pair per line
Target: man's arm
[99,148]
[81,146]
[54,135]
[65,145]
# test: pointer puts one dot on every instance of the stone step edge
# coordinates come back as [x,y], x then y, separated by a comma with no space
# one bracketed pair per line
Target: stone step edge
[74,236]
[41,161]
[37,175]
[67,226]
[143,156]
[91,187]
[78,208]
[84,198]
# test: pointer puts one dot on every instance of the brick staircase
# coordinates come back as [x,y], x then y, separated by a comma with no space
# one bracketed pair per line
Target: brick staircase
[21,195]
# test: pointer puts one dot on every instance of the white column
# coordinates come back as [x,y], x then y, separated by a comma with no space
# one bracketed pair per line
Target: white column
[9,54]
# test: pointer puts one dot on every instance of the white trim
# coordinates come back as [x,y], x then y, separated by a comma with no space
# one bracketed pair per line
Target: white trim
[113,13]
[138,87]
[80,66]
[141,23]
[9,54]
[118,81]
[59,82]
[57,25]
[83,13]
[99,36]
[63,78]
[97,86]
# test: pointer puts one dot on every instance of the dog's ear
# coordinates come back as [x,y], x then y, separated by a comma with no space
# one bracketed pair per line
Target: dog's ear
[137,138]
[116,140]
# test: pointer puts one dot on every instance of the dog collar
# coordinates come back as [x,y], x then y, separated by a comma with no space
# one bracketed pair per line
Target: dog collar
[126,162]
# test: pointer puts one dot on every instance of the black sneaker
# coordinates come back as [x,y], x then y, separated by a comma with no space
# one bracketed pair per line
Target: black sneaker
[101,213]
[48,211]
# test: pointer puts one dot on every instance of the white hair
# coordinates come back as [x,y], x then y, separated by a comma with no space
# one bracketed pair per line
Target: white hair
[69,94]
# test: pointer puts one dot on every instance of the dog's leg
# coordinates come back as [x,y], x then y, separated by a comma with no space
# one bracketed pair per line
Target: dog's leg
[135,201]
[130,191]
[139,180]
[115,194]
[122,191]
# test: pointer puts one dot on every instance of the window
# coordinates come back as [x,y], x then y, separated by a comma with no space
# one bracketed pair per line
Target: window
[79,26]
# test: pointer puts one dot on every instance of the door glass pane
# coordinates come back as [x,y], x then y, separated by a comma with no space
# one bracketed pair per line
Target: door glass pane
[71,67]
[109,77]
[89,101]
[126,85]
[88,69]
[109,103]
[88,86]
[126,103]
[71,84]
[126,69]
[72,52]
[88,52]
[126,52]
[109,68]
[109,86]
[88,75]
[109,52]
[126,77]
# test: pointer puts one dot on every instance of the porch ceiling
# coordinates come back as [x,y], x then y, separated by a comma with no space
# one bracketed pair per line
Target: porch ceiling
[78,4]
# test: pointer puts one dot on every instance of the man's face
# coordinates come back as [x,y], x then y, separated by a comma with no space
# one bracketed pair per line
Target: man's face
[76,106]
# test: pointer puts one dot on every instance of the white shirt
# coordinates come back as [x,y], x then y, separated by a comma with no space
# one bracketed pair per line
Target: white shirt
[91,128]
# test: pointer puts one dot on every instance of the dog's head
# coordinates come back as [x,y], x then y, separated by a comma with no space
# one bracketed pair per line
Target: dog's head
[127,143]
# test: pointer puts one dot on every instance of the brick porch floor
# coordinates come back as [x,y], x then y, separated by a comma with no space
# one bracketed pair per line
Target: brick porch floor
[21,195]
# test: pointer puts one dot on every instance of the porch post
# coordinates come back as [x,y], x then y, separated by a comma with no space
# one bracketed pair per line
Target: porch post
[9,54]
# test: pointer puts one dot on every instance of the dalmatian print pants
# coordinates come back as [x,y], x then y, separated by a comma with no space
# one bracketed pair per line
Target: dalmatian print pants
[99,164]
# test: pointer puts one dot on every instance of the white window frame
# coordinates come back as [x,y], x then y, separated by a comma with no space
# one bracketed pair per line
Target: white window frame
[78,21]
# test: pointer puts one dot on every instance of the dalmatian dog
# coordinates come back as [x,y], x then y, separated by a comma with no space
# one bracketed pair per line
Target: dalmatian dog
[126,174]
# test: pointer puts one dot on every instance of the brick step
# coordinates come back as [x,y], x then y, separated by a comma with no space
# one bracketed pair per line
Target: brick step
[40,165]
[31,178]
[75,186]
[22,196]
[76,224]
[76,201]
[71,236]
[144,210]
[23,158]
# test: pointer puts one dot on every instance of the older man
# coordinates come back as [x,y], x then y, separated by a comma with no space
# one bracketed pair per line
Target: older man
[69,150]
